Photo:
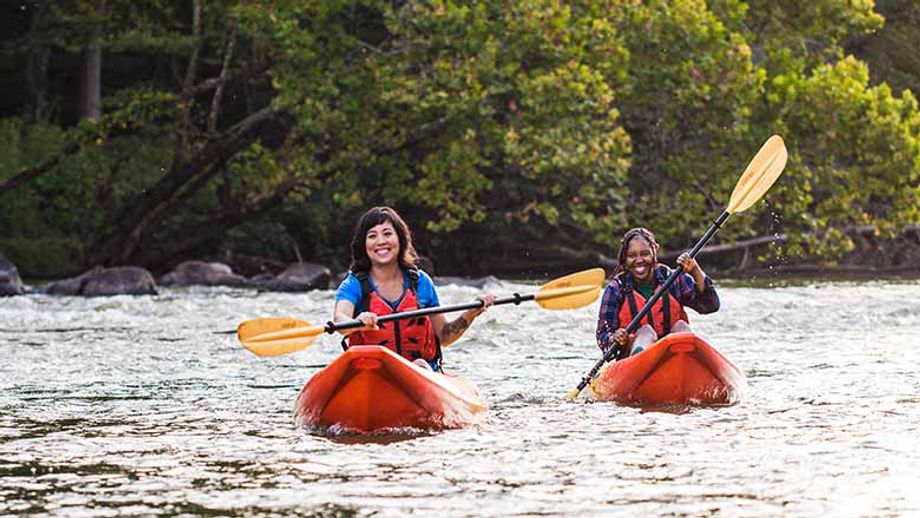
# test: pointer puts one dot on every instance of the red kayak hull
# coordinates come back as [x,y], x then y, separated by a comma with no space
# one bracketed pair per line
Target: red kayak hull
[680,369]
[369,388]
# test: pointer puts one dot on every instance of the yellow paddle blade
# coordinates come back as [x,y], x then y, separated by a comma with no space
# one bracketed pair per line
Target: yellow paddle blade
[764,169]
[572,291]
[572,395]
[567,298]
[279,346]
[305,331]
[276,336]
[260,326]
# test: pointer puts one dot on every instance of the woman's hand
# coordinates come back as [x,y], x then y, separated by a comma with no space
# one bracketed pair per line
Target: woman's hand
[687,263]
[487,301]
[620,336]
[369,320]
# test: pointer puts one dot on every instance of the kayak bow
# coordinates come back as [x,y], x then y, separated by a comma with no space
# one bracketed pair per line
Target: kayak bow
[680,369]
[369,388]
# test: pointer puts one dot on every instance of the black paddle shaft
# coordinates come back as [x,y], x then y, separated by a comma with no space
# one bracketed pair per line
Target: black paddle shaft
[332,327]
[634,324]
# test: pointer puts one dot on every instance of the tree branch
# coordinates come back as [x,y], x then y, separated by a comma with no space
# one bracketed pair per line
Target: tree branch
[214,82]
[202,232]
[29,174]
[224,72]
[186,96]
[105,129]
[135,223]
[731,247]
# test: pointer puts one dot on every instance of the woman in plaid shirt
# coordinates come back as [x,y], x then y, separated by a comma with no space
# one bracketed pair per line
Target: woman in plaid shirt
[637,276]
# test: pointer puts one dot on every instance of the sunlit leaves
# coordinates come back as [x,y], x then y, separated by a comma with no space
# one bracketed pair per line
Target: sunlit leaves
[576,119]
[859,146]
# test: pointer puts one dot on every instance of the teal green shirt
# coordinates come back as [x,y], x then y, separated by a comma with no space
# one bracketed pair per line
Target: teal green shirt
[645,289]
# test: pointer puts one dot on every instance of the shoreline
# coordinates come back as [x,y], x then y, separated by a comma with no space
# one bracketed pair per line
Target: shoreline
[776,276]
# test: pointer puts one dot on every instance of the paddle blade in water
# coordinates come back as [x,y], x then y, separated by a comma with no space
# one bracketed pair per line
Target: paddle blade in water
[572,291]
[572,395]
[764,169]
[276,336]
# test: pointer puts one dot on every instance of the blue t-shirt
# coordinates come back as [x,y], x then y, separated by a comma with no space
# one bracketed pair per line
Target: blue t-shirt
[350,290]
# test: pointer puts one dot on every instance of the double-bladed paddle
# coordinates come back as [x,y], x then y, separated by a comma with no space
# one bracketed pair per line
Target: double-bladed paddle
[761,172]
[276,336]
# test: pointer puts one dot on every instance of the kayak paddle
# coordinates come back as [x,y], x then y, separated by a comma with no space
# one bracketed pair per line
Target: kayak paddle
[276,336]
[761,172]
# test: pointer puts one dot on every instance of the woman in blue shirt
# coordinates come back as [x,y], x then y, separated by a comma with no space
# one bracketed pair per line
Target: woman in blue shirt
[383,278]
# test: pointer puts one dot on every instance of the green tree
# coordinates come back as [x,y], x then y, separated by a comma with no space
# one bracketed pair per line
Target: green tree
[501,130]
[690,94]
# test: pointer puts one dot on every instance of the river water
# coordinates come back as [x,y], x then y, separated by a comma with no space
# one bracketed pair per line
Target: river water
[147,406]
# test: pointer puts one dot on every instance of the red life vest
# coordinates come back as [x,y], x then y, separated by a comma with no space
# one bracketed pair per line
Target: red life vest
[664,313]
[411,338]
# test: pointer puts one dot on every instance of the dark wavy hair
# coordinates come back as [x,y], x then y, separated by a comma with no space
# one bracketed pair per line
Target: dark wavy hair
[631,234]
[360,262]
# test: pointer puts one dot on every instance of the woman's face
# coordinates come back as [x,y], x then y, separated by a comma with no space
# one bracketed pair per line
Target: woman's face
[640,259]
[382,244]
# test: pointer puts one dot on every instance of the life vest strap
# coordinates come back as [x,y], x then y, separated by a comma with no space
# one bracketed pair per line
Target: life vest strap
[628,291]
[366,289]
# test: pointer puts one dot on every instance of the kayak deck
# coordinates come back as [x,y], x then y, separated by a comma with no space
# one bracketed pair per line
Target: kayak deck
[680,369]
[370,388]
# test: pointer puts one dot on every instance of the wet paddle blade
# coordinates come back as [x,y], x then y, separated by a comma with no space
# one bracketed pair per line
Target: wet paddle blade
[572,291]
[761,173]
[572,395]
[277,336]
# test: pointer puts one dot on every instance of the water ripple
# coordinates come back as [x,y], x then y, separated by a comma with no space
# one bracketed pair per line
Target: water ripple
[147,405]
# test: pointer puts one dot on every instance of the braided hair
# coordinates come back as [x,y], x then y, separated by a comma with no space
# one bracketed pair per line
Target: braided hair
[631,234]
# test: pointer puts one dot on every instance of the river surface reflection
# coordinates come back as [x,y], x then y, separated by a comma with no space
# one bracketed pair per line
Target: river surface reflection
[147,405]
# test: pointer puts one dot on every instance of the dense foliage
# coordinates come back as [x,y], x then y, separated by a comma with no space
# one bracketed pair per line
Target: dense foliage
[511,134]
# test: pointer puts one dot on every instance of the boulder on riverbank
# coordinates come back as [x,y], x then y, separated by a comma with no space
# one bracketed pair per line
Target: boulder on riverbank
[100,282]
[192,273]
[250,266]
[10,283]
[297,277]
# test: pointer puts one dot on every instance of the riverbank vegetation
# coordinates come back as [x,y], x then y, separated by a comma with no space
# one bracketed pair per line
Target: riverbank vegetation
[516,137]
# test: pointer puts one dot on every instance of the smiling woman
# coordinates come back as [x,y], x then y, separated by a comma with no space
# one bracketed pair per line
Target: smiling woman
[637,276]
[384,279]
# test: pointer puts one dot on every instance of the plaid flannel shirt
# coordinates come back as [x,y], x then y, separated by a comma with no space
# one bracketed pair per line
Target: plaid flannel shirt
[683,289]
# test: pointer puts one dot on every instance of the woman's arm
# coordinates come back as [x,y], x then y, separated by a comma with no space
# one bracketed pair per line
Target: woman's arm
[697,293]
[692,266]
[343,311]
[608,318]
[449,332]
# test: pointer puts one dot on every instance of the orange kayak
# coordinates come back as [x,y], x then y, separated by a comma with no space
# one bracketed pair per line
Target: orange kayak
[370,388]
[679,369]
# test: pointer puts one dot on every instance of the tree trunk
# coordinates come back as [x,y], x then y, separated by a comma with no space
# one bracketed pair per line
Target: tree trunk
[37,79]
[88,106]
[36,74]
[140,217]
[199,234]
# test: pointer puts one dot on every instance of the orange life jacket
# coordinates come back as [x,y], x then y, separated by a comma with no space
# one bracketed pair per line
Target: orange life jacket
[411,338]
[664,313]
